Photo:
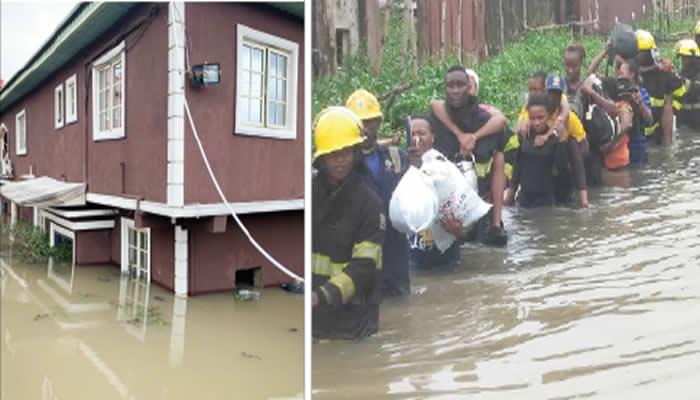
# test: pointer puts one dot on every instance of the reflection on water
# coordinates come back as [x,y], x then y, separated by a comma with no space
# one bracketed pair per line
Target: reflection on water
[90,333]
[600,303]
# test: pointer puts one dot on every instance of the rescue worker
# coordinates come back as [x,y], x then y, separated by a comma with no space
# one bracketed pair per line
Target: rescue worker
[689,52]
[348,231]
[386,167]
[665,89]
[487,146]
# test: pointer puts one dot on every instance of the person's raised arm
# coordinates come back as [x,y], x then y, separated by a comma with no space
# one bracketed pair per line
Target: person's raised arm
[597,60]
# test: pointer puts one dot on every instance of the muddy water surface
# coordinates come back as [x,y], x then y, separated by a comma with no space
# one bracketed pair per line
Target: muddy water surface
[86,333]
[601,303]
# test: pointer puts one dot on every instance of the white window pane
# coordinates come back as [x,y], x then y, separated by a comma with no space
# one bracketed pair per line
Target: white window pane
[271,114]
[256,86]
[244,109]
[132,256]
[282,66]
[257,60]
[272,64]
[245,84]
[117,117]
[102,121]
[108,77]
[102,80]
[272,88]
[116,96]
[282,90]
[255,111]
[117,72]
[108,118]
[281,117]
[245,57]
[142,259]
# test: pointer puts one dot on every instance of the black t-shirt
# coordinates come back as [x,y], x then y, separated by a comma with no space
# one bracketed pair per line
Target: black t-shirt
[468,119]
[535,164]
[660,84]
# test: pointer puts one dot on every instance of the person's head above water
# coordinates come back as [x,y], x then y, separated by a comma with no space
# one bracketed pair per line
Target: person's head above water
[629,69]
[536,83]
[457,87]
[573,60]
[538,110]
[337,134]
[366,106]
[555,86]
[421,133]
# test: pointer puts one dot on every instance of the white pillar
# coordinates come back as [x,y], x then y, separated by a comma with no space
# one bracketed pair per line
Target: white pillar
[177,332]
[13,219]
[181,261]
[176,104]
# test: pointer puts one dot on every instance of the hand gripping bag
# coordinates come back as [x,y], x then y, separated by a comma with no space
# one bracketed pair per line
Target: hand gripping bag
[456,196]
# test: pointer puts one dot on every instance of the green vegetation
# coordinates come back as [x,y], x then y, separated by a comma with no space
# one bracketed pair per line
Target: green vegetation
[503,76]
[32,246]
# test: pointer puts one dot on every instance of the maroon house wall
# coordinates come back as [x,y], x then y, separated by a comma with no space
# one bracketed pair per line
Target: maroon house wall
[215,257]
[144,150]
[163,256]
[93,247]
[248,168]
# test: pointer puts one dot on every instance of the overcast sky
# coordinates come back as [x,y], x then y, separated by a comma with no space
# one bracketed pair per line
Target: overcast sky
[24,27]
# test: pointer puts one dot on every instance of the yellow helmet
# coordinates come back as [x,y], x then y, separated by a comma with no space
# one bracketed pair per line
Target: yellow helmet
[697,28]
[687,47]
[364,104]
[336,128]
[645,40]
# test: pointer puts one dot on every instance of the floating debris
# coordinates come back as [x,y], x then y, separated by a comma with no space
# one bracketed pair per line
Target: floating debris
[248,355]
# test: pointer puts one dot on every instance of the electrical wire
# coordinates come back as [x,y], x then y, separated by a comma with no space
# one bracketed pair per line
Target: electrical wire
[221,193]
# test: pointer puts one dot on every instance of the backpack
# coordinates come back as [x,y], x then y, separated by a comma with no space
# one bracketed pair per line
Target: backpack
[624,42]
[600,128]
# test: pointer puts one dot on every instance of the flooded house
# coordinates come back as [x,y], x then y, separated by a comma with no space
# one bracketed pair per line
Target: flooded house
[97,148]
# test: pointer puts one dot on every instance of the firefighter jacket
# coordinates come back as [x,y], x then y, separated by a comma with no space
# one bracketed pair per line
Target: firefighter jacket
[348,232]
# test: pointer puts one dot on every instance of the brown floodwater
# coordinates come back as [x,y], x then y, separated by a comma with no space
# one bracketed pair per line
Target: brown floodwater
[601,303]
[87,333]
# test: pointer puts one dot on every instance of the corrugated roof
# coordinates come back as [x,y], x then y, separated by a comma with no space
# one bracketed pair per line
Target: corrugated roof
[294,8]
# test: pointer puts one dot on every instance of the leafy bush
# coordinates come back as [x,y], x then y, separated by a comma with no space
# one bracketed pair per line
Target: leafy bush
[32,246]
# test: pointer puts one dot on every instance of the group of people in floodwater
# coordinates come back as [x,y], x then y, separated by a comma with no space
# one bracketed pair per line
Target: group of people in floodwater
[571,129]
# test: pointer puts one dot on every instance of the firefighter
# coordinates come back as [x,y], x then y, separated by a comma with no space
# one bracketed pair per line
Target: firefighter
[665,90]
[689,52]
[386,165]
[348,231]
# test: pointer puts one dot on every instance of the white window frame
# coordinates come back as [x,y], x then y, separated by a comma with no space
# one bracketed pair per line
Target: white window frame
[18,150]
[110,56]
[249,36]
[54,229]
[72,93]
[59,106]
[127,223]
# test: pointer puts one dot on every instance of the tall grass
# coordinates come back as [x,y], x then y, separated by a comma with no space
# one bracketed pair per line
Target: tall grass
[32,245]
